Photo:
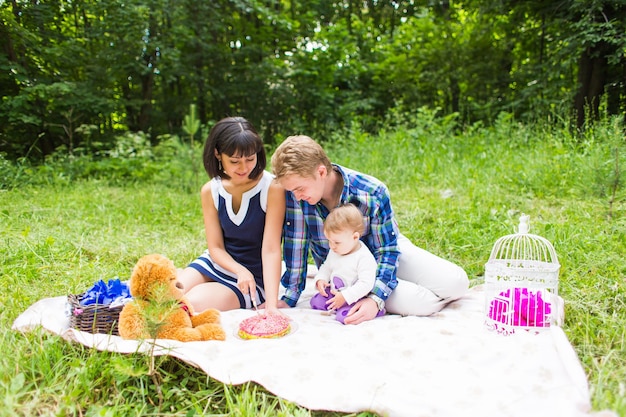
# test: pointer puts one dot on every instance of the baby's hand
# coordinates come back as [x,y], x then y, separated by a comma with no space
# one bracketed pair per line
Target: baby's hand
[321,287]
[337,301]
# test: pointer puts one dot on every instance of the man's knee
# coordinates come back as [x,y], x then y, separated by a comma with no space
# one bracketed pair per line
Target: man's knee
[409,299]
[458,286]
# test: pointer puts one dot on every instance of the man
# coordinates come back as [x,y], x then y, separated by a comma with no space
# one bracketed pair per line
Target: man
[409,280]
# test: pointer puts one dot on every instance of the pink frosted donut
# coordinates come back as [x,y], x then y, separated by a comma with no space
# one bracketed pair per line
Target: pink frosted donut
[264,327]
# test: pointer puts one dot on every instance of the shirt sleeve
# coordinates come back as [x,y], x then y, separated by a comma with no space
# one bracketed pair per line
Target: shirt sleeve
[295,250]
[383,242]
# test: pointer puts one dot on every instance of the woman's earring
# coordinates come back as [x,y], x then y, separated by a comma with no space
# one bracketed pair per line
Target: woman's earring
[219,164]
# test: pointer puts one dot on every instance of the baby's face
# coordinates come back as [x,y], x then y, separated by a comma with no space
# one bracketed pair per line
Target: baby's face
[342,242]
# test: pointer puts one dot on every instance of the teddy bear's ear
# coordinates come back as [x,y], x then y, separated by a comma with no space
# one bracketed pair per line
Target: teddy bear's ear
[149,270]
[138,279]
[163,268]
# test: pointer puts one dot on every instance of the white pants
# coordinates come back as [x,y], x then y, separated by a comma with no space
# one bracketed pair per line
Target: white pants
[426,282]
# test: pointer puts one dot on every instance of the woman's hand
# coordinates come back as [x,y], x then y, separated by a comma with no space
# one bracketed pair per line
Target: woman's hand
[274,311]
[279,304]
[246,283]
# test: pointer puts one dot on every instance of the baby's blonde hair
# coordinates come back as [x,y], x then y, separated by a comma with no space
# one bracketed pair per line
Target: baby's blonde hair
[345,217]
[299,155]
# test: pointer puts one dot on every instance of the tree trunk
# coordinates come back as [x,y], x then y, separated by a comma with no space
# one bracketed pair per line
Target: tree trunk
[145,112]
[592,67]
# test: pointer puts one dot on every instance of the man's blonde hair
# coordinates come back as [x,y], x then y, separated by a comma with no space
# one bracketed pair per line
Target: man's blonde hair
[345,217]
[299,155]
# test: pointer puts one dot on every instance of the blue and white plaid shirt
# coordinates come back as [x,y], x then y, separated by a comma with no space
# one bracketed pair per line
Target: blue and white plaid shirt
[303,230]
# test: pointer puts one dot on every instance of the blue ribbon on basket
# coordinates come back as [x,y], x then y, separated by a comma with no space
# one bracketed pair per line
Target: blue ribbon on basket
[106,293]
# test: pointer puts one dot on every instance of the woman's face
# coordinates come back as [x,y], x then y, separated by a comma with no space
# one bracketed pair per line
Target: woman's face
[238,168]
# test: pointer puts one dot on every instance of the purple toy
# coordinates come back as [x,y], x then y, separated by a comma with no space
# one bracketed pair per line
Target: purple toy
[318,302]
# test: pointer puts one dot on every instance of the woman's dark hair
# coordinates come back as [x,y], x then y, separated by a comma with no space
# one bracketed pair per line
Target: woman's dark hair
[233,136]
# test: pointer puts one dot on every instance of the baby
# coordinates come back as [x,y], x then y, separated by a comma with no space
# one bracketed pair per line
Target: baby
[349,271]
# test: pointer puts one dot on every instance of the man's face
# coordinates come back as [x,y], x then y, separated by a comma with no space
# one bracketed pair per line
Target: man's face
[307,189]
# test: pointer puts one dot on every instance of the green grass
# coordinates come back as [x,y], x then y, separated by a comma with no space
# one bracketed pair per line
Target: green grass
[454,195]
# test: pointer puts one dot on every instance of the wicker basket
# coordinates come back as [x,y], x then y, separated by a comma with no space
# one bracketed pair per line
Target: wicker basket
[94,318]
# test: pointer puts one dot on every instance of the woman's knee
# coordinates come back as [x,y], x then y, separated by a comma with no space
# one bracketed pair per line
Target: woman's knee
[189,278]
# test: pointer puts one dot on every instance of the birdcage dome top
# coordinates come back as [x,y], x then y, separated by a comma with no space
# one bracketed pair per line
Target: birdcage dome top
[523,249]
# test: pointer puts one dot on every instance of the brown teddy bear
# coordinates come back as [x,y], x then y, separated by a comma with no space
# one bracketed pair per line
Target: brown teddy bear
[160,309]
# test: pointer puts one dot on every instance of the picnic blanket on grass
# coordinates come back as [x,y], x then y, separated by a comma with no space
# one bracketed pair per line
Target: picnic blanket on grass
[445,365]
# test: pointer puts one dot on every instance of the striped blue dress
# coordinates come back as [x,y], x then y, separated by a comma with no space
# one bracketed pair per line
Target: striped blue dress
[243,236]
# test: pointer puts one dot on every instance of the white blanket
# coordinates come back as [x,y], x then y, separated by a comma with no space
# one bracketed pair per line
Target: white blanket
[448,364]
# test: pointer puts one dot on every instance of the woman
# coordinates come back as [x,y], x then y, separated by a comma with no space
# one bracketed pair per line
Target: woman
[244,210]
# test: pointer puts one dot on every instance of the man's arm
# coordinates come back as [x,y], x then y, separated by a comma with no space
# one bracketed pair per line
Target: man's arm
[383,242]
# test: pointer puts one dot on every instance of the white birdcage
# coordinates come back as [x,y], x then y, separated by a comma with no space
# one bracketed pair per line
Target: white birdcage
[521,282]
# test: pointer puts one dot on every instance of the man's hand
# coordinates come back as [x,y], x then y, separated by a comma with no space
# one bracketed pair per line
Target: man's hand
[365,309]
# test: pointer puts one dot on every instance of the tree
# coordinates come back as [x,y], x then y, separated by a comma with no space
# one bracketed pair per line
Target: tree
[297,67]
[600,34]
[579,57]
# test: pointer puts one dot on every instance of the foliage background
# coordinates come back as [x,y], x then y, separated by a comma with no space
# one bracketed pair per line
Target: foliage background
[76,74]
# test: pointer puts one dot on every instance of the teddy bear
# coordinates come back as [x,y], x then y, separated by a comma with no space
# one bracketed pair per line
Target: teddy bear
[159,308]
